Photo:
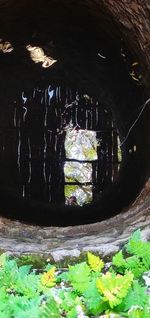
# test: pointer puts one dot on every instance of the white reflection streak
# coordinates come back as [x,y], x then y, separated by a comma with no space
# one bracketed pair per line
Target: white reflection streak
[24,98]
[50,135]
[44,172]
[42,100]
[57,96]
[96,115]
[76,116]
[102,56]
[59,91]
[24,115]
[23,191]
[45,147]
[29,146]
[56,112]
[45,119]
[15,123]
[48,90]
[50,93]
[29,179]
[86,119]
[19,145]
[55,143]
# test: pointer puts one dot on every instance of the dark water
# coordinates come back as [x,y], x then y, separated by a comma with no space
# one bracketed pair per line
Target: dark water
[32,141]
[33,115]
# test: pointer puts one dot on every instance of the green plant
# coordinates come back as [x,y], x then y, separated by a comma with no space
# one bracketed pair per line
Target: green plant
[85,289]
[135,257]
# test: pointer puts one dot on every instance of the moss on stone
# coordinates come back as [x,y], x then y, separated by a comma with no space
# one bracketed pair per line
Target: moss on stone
[37,261]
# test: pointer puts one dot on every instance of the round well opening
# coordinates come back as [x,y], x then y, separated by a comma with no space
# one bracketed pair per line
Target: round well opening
[90,87]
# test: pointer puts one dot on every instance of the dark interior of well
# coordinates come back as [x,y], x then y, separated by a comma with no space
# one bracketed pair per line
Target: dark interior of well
[94,69]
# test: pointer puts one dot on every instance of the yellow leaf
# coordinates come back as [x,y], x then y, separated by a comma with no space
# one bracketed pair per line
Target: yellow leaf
[95,263]
[114,287]
[3,259]
[48,279]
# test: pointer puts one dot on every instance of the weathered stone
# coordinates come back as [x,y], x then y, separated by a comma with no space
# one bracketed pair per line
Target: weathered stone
[105,238]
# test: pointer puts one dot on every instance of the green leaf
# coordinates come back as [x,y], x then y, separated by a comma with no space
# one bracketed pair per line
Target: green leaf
[136,265]
[62,277]
[68,299]
[22,307]
[50,309]
[136,296]
[24,270]
[79,276]
[118,260]
[4,298]
[136,236]
[3,259]
[136,312]
[114,287]
[8,274]
[132,263]
[27,285]
[93,300]
[72,313]
[139,248]
[4,315]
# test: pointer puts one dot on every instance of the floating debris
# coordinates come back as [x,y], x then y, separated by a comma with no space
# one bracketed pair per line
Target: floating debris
[37,55]
[5,46]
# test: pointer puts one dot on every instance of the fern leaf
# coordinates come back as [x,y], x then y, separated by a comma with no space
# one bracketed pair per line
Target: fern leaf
[136,312]
[3,259]
[136,236]
[114,287]
[50,310]
[95,263]
[118,259]
[68,299]
[93,300]
[79,276]
[48,279]
[140,249]
[137,296]
[72,313]
[136,265]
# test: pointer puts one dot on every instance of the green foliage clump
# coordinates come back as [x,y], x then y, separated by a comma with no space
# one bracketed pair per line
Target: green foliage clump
[138,258]
[85,289]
